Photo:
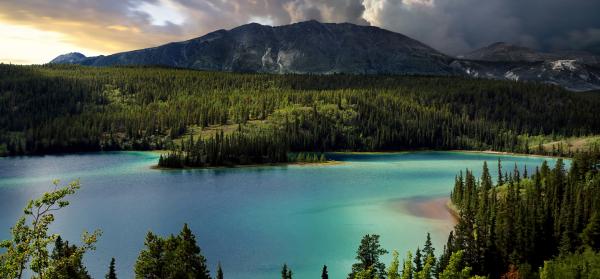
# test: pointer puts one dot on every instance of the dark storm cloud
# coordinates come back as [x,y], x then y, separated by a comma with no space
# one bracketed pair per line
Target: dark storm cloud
[457,26]
[452,26]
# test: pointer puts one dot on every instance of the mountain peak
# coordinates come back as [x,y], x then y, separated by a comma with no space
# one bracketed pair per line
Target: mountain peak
[303,47]
[69,58]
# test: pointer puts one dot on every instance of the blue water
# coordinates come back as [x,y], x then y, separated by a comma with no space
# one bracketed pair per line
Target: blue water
[252,220]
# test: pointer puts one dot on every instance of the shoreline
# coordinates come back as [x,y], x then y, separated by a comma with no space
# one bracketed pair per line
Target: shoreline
[437,208]
[282,164]
[335,162]
[505,153]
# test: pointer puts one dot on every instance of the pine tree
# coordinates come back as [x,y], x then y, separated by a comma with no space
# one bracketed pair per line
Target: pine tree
[324,273]
[112,274]
[418,261]
[456,268]
[219,271]
[284,271]
[429,251]
[188,259]
[407,267]
[591,234]
[393,271]
[368,255]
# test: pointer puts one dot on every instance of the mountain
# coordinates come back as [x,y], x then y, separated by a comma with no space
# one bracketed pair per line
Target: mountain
[325,48]
[69,58]
[504,52]
[305,47]
[573,70]
[569,74]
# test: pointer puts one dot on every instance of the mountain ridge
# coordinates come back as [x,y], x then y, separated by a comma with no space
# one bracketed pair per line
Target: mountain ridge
[312,47]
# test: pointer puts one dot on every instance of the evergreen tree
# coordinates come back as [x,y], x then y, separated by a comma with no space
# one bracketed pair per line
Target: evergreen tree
[112,274]
[418,262]
[368,254]
[324,273]
[393,271]
[591,234]
[286,272]
[407,267]
[172,257]
[456,268]
[219,271]
[67,262]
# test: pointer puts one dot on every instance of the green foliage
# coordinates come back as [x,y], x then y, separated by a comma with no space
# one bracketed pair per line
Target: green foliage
[407,267]
[172,257]
[368,254]
[427,271]
[585,266]
[364,274]
[28,247]
[324,273]
[393,271]
[456,268]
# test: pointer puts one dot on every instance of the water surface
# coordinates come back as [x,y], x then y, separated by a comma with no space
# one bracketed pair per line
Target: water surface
[253,219]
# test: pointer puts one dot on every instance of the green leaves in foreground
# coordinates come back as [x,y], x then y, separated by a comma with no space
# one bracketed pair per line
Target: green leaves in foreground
[28,247]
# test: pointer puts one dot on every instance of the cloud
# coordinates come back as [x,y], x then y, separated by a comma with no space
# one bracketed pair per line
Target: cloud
[452,26]
[458,26]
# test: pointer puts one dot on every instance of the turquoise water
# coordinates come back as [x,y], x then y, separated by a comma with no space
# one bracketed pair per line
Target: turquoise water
[253,219]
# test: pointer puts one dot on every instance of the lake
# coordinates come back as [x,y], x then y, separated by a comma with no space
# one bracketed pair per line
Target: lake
[253,219]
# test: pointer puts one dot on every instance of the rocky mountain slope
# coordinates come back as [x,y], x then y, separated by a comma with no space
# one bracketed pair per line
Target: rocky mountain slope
[326,48]
[305,47]
[577,71]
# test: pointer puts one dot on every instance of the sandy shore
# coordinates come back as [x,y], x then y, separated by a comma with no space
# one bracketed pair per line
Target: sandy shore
[435,208]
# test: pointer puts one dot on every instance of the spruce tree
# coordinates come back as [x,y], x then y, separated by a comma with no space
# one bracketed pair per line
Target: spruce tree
[393,271]
[591,234]
[418,261]
[407,267]
[219,271]
[368,254]
[324,273]
[112,274]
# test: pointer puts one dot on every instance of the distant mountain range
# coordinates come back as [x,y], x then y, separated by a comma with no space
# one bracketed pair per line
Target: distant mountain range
[326,48]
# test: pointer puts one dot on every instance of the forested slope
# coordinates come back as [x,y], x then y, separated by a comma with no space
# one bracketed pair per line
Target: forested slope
[50,109]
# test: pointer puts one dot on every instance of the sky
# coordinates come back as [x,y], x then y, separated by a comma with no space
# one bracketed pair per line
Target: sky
[36,31]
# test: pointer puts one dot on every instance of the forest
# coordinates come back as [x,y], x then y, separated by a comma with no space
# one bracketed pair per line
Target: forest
[529,224]
[220,119]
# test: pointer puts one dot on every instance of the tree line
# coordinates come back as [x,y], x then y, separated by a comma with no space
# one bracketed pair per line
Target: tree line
[68,108]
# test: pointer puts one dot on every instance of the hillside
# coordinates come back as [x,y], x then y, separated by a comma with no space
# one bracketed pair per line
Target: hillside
[57,109]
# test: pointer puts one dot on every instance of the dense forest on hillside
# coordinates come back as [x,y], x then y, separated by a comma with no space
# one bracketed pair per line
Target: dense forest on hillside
[527,217]
[209,118]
